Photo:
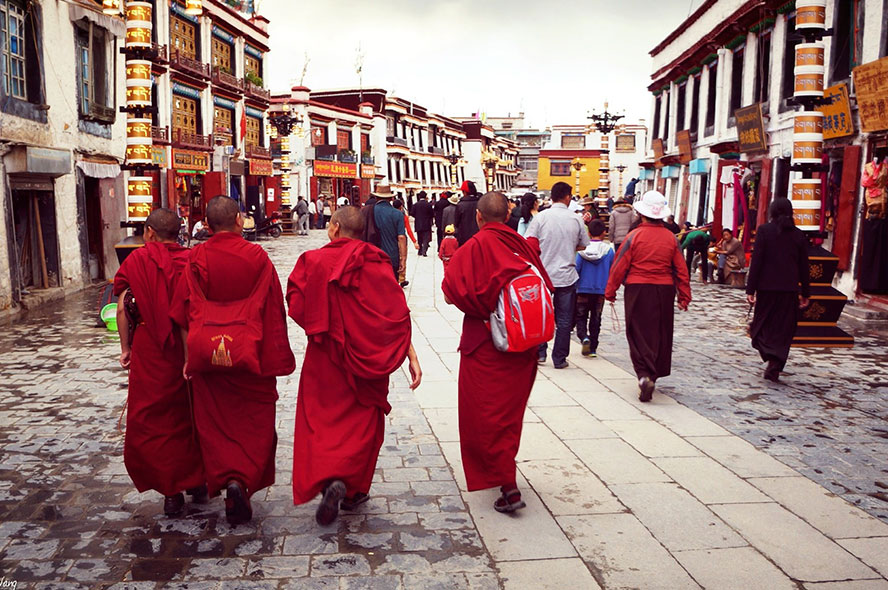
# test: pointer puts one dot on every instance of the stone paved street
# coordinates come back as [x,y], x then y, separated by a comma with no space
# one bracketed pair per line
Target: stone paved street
[620,494]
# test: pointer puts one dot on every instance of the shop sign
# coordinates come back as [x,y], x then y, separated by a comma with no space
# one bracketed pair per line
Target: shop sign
[871,84]
[190,160]
[751,129]
[261,167]
[659,151]
[685,151]
[625,143]
[335,169]
[368,171]
[48,161]
[159,156]
[837,120]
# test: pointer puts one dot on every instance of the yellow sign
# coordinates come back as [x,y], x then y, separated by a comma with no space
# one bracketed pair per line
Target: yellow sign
[871,84]
[837,121]
[189,160]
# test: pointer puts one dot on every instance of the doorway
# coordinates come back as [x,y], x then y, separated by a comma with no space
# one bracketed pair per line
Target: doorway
[36,239]
[94,227]
[702,200]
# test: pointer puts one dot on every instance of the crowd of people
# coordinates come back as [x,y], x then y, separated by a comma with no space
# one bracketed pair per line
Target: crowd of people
[204,331]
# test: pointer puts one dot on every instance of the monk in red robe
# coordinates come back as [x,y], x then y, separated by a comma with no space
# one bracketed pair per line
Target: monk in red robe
[235,388]
[160,450]
[358,326]
[494,386]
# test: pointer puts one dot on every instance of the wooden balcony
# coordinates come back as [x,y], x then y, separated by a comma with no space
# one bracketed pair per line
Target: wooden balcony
[257,92]
[226,80]
[100,113]
[258,152]
[159,54]
[160,134]
[189,65]
[187,140]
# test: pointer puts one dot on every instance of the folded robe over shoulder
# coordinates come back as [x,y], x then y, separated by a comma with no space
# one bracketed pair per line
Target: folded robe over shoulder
[235,411]
[160,449]
[358,326]
[493,386]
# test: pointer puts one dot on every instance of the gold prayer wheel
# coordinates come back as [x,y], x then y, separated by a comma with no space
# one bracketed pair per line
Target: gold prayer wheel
[807,215]
[193,7]
[138,154]
[808,122]
[111,7]
[809,54]
[138,128]
[138,211]
[138,69]
[807,189]
[138,24]
[138,197]
[138,96]
[809,83]
[805,151]
[810,14]
[137,11]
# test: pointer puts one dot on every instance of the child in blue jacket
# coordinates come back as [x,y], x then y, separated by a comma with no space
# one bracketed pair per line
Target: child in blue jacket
[593,266]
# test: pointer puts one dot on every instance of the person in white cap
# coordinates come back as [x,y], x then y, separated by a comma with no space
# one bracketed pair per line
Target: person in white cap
[650,265]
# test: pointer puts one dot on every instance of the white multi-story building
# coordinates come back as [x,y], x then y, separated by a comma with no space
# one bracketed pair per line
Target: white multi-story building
[61,146]
[731,54]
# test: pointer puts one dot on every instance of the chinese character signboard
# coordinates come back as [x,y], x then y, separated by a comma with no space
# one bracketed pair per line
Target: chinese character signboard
[625,143]
[685,151]
[751,129]
[871,84]
[190,160]
[837,121]
[335,169]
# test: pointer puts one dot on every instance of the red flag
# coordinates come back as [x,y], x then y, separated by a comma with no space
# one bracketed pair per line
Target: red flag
[243,124]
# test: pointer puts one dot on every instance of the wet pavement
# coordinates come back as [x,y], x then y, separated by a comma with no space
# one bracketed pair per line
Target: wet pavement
[69,517]
[828,419]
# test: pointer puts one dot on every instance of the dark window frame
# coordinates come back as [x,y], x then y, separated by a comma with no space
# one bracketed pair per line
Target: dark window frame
[736,100]
[763,69]
[32,107]
[787,84]
[681,106]
[711,98]
[694,123]
[565,171]
[847,39]
[657,115]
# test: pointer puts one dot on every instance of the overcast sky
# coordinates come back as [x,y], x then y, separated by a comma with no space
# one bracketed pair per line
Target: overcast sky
[553,59]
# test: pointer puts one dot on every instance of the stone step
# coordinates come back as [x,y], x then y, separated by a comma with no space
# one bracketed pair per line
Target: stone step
[865,316]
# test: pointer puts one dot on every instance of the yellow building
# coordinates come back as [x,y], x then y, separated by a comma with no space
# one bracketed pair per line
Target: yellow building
[556,165]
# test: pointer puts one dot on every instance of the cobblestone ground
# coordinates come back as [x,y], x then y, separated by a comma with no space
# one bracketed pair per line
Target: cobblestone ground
[828,419]
[69,517]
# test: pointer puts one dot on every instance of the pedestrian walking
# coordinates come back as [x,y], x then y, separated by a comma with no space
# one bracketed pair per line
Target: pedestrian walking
[560,234]
[328,210]
[391,230]
[621,219]
[312,214]
[398,204]
[440,205]
[777,284]
[230,306]
[494,386]
[530,206]
[466,224]
[424,218]
[593,268]
[322,203]
[449,246]
[160,450]
[650,266]
[449,215]
[301,212]
[357,337]
[630,189]
[697,242]
[514,214]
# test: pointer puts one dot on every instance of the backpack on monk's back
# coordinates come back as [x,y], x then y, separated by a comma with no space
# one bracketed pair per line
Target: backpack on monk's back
[524,316]
[224,336]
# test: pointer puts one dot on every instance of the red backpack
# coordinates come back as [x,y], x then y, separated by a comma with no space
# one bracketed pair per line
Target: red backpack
[525,315]
[224,336]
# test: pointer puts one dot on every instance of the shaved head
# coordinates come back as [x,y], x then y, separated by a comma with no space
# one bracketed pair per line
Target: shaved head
[494,207]
[164,223]
[222,214]
[350,221]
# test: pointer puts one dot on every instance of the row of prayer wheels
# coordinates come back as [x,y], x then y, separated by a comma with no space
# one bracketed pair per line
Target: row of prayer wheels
[285,170]
[807,138]
[139,141]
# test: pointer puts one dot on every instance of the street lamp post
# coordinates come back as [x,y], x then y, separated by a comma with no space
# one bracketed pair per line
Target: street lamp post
[489,160]
[621,168]
[453,158]
[577,165]
[605,123]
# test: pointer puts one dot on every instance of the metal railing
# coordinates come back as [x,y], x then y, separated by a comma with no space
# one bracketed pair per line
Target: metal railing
[189,65]
[192,140]
[227,80]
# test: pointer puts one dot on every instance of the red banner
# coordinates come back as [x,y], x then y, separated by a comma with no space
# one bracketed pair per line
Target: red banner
[335,169]
[261,167]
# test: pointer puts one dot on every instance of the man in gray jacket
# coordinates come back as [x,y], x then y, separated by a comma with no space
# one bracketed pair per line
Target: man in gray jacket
[621,219]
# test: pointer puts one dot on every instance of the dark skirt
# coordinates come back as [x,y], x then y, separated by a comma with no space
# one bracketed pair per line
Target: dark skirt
[774,324]
[650,318]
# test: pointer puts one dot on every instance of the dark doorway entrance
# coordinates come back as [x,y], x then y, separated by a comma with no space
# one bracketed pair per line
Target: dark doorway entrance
[703,201]
[94,227]
[36,239]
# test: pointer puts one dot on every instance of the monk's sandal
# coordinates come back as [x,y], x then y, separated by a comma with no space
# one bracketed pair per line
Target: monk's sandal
[510,501]
[328,509]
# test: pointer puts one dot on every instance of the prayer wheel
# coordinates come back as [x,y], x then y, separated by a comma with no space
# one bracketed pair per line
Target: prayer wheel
[138,24]
[111,7]
[809,54]
[808,122]
[138,198]
[809,81]
[806,215]
[807,189]
[810,14]
[193,7]
[807,148]
[139,140]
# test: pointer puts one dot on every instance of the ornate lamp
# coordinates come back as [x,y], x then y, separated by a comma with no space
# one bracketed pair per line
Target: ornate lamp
[193,7]
[605,123]
[579,166]
[454,159]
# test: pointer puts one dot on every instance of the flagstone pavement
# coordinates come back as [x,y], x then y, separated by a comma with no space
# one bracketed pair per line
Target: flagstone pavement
[620,494]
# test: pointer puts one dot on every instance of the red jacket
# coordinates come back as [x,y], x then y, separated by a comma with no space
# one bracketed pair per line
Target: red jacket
[448,248]
[650,255]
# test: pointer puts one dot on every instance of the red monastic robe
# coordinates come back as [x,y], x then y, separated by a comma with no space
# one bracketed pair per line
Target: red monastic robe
[160,448]
[494,386]
[358,326]
[234,412]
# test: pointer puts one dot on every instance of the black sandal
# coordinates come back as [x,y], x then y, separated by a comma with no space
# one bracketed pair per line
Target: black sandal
[328,509]
[509,502]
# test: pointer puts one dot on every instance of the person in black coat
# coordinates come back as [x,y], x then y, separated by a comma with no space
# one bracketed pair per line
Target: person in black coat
[439,207]
[466,224]
[423,217]
[778,285]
